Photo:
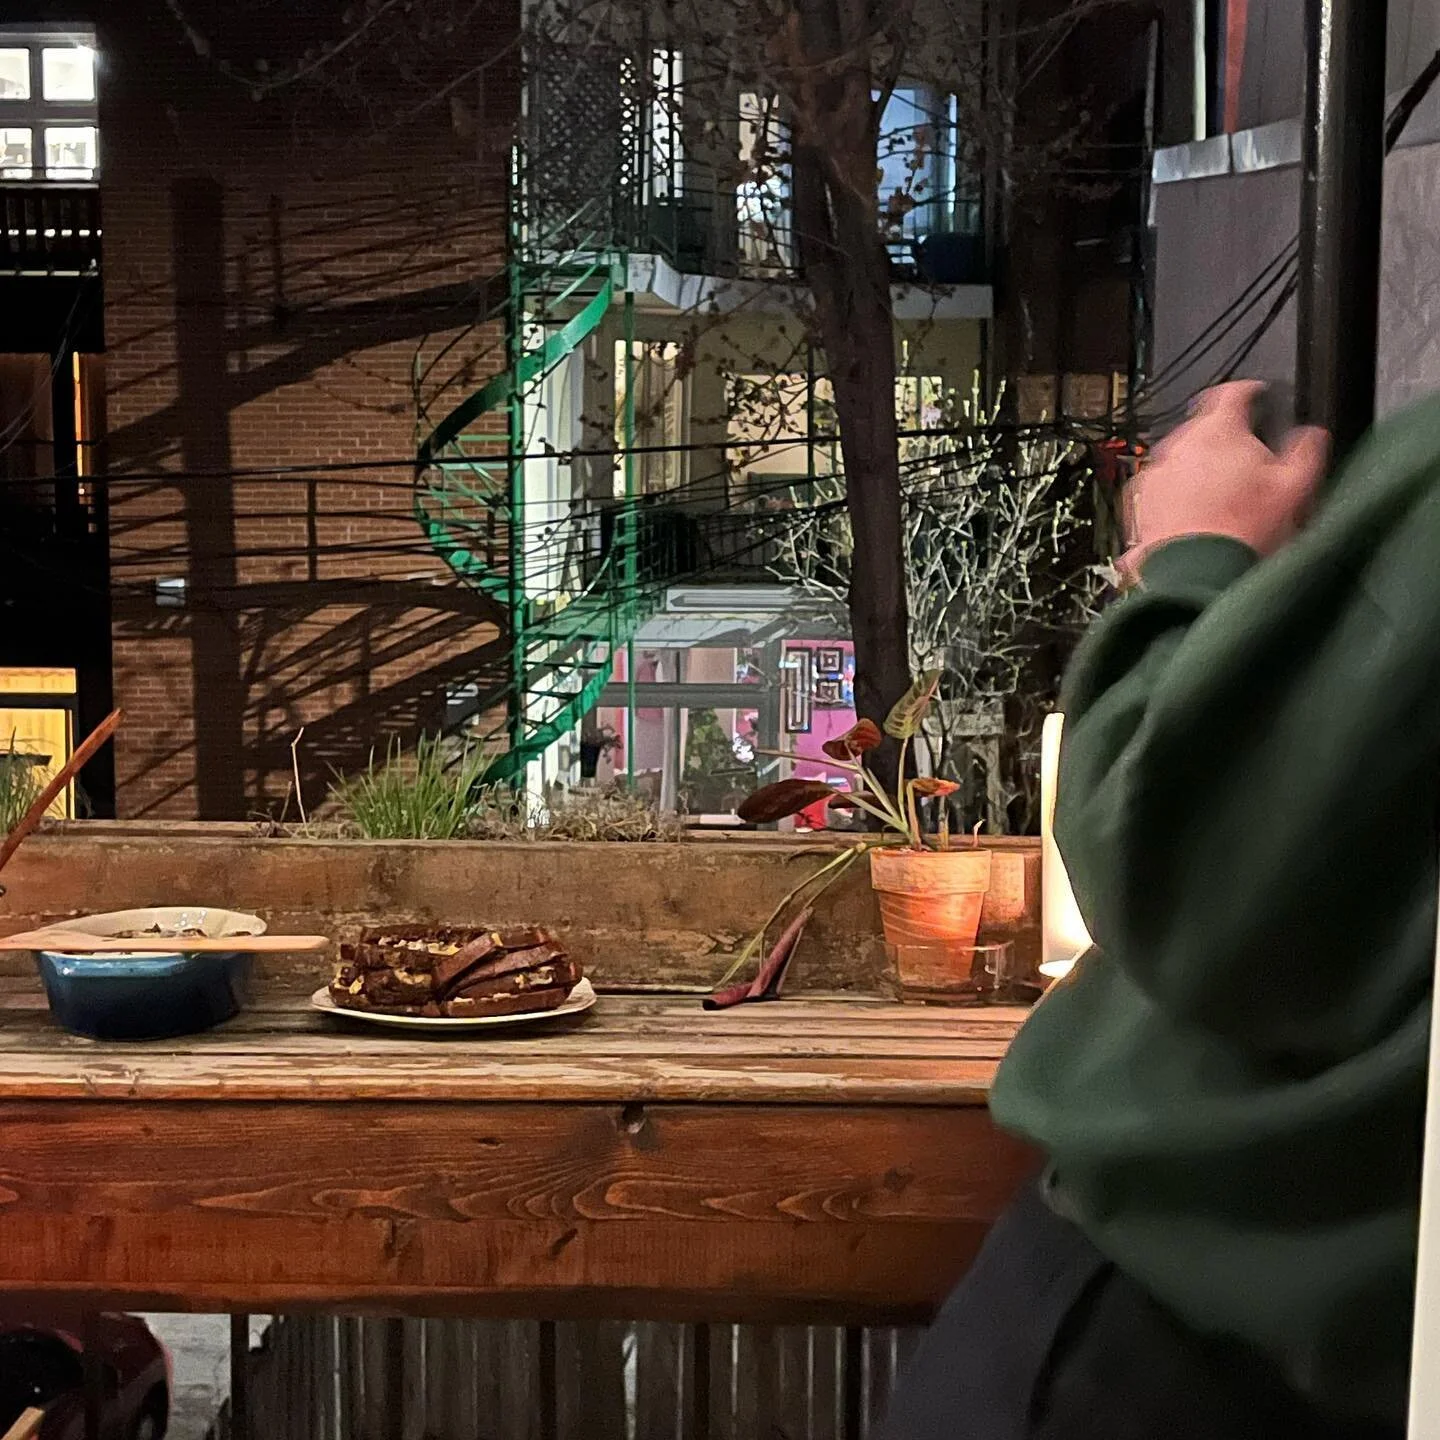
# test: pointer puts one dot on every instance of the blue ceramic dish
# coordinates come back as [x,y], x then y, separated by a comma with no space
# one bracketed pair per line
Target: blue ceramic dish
[143,996]
[149,994]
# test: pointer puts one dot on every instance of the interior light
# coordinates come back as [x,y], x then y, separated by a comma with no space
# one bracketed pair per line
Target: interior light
[1064,937]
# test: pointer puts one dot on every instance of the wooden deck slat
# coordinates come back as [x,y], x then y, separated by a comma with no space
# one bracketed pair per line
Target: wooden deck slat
[628,1049]
[573,1046]
[633,1014]
[897,1082]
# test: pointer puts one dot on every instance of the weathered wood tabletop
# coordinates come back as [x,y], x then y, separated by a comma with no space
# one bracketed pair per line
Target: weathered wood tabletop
[817,1159]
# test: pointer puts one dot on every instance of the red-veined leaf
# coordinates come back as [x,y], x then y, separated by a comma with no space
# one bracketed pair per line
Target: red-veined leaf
[903,722]
[843,802]
[929,787]
[863,735]
[785,797]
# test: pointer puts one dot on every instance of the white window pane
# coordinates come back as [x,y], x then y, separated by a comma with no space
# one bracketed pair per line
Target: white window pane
[16,153]
[70,152]
[665,161]
[14,74]
[69,73]
[762,201]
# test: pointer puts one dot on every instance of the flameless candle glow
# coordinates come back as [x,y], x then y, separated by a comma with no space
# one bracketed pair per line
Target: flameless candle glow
[1064,937]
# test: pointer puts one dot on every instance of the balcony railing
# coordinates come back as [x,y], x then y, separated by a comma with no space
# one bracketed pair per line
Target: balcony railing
[675,542]
[49,228]
[722,231]
[603,164]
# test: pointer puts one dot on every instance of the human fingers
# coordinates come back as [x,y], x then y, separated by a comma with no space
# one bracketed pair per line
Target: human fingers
[1127,567]
[1230,401]
[1304,456]
[1301,465]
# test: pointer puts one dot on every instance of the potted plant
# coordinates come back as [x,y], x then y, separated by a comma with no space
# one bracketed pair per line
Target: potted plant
[930,892]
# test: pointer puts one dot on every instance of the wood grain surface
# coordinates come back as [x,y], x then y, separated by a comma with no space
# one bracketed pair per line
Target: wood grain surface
[627,1048]
[670,916]
[808,1161]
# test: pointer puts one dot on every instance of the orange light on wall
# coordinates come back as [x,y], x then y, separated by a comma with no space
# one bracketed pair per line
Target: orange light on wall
[1063,936]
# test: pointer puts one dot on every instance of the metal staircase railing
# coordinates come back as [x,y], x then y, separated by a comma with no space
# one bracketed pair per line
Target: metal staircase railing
[471,501]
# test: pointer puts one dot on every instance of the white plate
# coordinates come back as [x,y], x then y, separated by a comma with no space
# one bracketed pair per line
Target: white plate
[581,998]
[209,920]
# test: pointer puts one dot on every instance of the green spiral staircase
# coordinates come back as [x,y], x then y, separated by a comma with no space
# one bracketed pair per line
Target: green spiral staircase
[564,639]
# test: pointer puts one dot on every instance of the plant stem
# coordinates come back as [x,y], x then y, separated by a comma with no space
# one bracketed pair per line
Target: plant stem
[882,816]
[907,790]
[853,766]
[893,816]
[837,864]
[295,766]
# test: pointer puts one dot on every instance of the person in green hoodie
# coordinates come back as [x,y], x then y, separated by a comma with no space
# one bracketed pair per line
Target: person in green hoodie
[1229,1089]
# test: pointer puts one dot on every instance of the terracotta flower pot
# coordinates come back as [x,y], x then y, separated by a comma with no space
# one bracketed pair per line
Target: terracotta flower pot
[930,903]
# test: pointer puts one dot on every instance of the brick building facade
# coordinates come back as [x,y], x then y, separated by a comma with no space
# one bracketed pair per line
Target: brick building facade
[294,266]
[304,252]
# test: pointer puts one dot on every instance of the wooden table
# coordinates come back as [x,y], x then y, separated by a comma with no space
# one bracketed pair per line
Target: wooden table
[819,1160]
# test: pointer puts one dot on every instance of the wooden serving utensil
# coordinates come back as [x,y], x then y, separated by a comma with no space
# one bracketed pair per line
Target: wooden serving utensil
[27,1427]
[77,942]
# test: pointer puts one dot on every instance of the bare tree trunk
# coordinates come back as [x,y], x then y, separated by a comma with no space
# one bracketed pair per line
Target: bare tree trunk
[847,269]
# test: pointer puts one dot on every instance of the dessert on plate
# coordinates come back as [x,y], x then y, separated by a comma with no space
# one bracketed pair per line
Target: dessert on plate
[456,973]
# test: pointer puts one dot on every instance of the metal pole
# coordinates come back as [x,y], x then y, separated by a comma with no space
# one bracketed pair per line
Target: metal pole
[1340,198]
[630,570]
[239,1377]
[516,593]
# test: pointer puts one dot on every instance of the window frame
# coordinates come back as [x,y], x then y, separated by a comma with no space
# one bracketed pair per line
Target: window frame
[19,48]
[38,54]
[39,115]
[63,173]
[18,172]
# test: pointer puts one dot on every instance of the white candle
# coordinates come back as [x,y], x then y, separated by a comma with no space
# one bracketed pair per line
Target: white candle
[1063,935]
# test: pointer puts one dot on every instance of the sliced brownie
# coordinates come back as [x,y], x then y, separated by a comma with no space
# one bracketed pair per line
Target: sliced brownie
[405,969]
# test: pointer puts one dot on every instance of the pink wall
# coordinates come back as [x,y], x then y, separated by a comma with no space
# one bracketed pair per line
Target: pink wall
[826,723]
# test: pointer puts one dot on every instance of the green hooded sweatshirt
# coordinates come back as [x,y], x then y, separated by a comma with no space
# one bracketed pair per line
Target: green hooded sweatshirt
[1230,1087]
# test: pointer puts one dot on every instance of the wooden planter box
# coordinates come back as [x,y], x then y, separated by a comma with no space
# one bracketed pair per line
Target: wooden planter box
[643,916]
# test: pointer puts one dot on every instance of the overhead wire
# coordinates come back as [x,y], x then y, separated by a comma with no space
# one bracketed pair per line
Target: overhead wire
[1282,272]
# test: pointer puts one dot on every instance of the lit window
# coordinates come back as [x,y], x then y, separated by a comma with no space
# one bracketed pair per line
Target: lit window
[761,197]
[919,402]
[16,153]
[659,415]
[665,159]
[14,74]
[68,73]
[70,152]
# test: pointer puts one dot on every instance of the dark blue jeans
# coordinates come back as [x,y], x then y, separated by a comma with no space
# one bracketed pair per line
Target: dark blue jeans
[1046,1340]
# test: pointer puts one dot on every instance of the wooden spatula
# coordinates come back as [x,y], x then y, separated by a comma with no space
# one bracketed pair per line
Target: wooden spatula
[27,1427]
[76,942]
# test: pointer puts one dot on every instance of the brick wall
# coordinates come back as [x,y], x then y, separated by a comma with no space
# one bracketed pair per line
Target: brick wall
[278,272]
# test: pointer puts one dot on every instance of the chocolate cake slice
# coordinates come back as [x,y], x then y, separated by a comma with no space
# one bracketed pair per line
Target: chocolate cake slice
[465,1007]
[409,970]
